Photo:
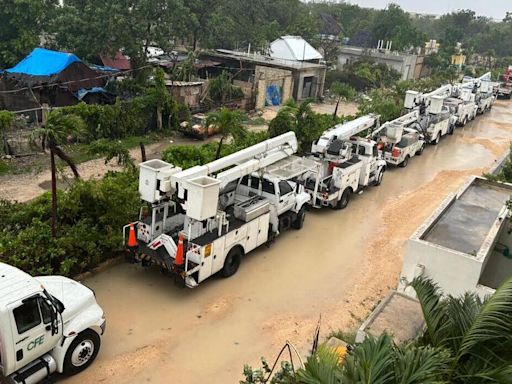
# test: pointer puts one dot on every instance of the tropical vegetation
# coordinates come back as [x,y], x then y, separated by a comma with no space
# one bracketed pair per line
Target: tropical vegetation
[466,340]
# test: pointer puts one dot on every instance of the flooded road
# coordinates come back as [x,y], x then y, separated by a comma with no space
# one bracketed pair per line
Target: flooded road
[339,265]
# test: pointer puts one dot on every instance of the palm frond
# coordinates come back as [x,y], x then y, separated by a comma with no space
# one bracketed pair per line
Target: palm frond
[370,362]
[420,365]
[433,308]
[491,331]
[323,367]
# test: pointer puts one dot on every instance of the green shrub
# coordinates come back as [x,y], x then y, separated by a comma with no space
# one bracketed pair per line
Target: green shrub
[91,216]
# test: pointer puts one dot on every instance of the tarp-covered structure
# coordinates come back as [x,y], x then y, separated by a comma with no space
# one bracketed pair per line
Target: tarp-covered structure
[46,76]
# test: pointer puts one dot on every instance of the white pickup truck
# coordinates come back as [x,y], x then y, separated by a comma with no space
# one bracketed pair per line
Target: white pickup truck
[461,111]
[410,144]
[47,324]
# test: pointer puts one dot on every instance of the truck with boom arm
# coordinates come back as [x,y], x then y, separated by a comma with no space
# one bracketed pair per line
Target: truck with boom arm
[482,88]
[434,116]
[345,163]
[48,324]
[202,220]
[400,139]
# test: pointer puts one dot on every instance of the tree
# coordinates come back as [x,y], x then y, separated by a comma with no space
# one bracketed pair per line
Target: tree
[477,333]
[159,97]
[22,22]
[341,92]
[56,131]
[228,123]
[6,120]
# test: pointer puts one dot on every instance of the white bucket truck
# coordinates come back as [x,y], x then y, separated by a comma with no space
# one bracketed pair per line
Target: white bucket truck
[400,139]
[483,89]
[48,324]
[434,116]
[462,105]
[346,163]
[218,211]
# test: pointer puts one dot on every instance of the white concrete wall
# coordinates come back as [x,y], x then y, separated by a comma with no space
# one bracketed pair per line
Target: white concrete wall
[454,271]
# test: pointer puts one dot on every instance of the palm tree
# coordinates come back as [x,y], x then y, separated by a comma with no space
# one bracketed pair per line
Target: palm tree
[477,333]
[57,129]
[228,123]
[341,91]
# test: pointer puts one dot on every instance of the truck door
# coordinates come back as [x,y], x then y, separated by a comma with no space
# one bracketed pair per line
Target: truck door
[31,329]
[286,196]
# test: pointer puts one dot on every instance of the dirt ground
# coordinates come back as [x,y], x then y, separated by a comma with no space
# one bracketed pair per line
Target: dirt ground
[338,266]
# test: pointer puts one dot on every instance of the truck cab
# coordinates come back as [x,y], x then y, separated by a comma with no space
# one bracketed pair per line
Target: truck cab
[47,324]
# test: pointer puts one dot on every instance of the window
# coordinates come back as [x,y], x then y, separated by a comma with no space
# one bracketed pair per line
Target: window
[245,180]
[284,188]
[27,315]
[255,183]
[46,310]
[267,187]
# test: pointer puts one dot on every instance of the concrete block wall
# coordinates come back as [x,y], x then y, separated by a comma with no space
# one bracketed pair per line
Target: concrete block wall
[265,76]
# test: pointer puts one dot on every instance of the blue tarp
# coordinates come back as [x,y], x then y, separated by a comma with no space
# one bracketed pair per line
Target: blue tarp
[43,62]
[273,96]
[82,92]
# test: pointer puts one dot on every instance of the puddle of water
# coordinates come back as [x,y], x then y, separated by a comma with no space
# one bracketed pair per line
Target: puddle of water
[339,260]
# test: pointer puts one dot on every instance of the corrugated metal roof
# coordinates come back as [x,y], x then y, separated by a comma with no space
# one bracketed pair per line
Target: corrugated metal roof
[293,48]
[183,83]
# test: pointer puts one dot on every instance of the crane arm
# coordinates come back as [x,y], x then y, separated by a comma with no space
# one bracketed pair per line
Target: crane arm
[243,162]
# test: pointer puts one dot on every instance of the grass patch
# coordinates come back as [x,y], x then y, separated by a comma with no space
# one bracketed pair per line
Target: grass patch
[255,121]
[4,167]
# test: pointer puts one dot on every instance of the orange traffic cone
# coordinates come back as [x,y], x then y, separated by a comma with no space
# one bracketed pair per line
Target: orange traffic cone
[179,251]
[132,239]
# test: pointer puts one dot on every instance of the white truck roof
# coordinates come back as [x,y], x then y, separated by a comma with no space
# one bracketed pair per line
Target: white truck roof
[15,284]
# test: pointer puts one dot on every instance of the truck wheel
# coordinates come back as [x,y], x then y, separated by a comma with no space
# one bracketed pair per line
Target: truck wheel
[451,130]
[437,139]
[82,352]
[419,152]
[404,163]
[380,176]
[232,262]
[299,220]
[344,200]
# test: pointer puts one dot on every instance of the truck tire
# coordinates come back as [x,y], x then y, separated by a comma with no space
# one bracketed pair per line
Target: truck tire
[232,262]
[81,352]
[380,176]
[298,223]
[437,139]
[404,163]
[419,152]
[451,129]
[344,200]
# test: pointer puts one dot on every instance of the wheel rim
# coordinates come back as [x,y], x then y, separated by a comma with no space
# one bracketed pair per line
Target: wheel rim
[82,353]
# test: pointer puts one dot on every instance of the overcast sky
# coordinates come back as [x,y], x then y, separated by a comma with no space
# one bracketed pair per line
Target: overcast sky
[491,8]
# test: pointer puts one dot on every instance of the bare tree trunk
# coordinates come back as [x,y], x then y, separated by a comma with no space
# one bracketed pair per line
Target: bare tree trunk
[59,152]
[335,114]
[217,155]
[159,122]
[142,151]
[54,195]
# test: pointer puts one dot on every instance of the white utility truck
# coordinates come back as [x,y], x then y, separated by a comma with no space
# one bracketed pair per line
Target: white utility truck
[345,163]
[482,88]
[400,139]
[462,105]
[47,324]
[220,210]
[434,115]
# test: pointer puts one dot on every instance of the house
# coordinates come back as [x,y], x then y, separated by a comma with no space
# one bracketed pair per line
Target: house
[270,81]
[118,61]
[410,66]
[329,27]
[466,244]
[46,77]
[188,93]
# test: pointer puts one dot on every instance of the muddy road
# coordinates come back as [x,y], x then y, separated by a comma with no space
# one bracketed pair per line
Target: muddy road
[339,265]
